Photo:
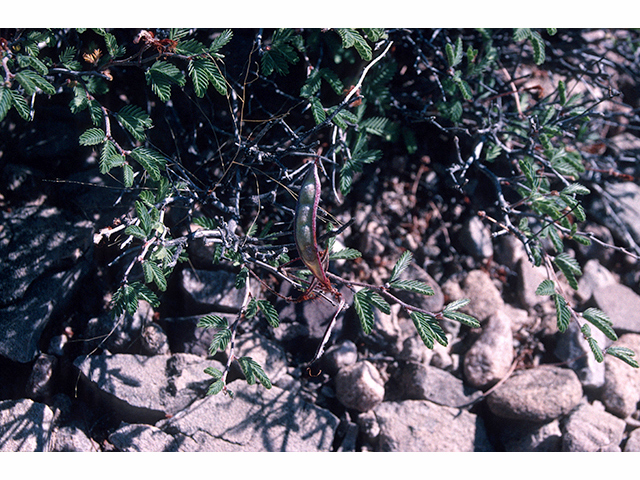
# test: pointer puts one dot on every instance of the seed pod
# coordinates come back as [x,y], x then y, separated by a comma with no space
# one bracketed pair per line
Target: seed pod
[305,224]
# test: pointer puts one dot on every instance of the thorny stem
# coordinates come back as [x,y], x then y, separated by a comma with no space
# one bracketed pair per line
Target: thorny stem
[234,328]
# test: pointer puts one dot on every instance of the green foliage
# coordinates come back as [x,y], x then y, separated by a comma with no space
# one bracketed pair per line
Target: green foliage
[343,87]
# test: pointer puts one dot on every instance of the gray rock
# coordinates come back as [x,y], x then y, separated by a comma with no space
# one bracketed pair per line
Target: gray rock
[369,428]
[341,355]
[633,441]
[25,426]
[209,290]
[432,303]
[145,389]
[423,382]
[41,381]
[621,304]
[621,390]
[268,354]
[71,439]
[590,429]
[255,420]
[154,340]
[475,238]
[423,426]
[185,337]
[574,349]
[45,254]
[596,251]
[594,277]
[145,438]
[484,296]
[537,395]
[529,277]
[118,335]
[359,386]
[531,437]
[490,357]
[627,204]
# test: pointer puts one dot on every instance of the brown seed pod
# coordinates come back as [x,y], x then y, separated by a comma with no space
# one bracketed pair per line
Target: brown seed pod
[305,225]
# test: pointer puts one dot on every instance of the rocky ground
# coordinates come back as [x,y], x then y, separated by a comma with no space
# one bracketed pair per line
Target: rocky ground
[73,380]
[70,381]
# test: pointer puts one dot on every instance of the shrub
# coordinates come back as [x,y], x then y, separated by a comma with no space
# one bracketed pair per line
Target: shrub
[249,109]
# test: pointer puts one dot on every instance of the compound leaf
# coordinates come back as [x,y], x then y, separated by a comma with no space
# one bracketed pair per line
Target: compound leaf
[364,310]
[601,321]
[403,262]
[270,313]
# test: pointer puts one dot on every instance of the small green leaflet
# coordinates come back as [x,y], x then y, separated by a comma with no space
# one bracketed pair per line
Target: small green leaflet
[595,348]
[569,267]
[546,288]
[623,353]
[403,262]
[451,312]
[364,310]
[414,286]
[213,321]
[215,388]
[220,341]
[429,329]
[345,254]
[153,273]
[563,313]
[253,372]
[351,38]
[162,76]
[601,321]
[270,313]
[92,136]
[151,160]
[135,120]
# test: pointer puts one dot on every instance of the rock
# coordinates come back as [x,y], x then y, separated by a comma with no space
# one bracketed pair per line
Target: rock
[529,277]
[302,325]
[154,340]
[633,441]
[118,335]
[490,357]
[597,252]
[341,355]
[423,426]
[185,336]
[591,429]
[359,386]
[71,439]
[368,426]
[144,438]
[574,349]
[485,298]
[627,202]
[423,382]
[621,304]
[41,381]
[594,277]
[45,255]
[622,382]
[268,354]
[209,290]
[347,435]
[432,303]
[531,437]
[475,238]
[255,420]
[145,389]
[537,395]
[25,426]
